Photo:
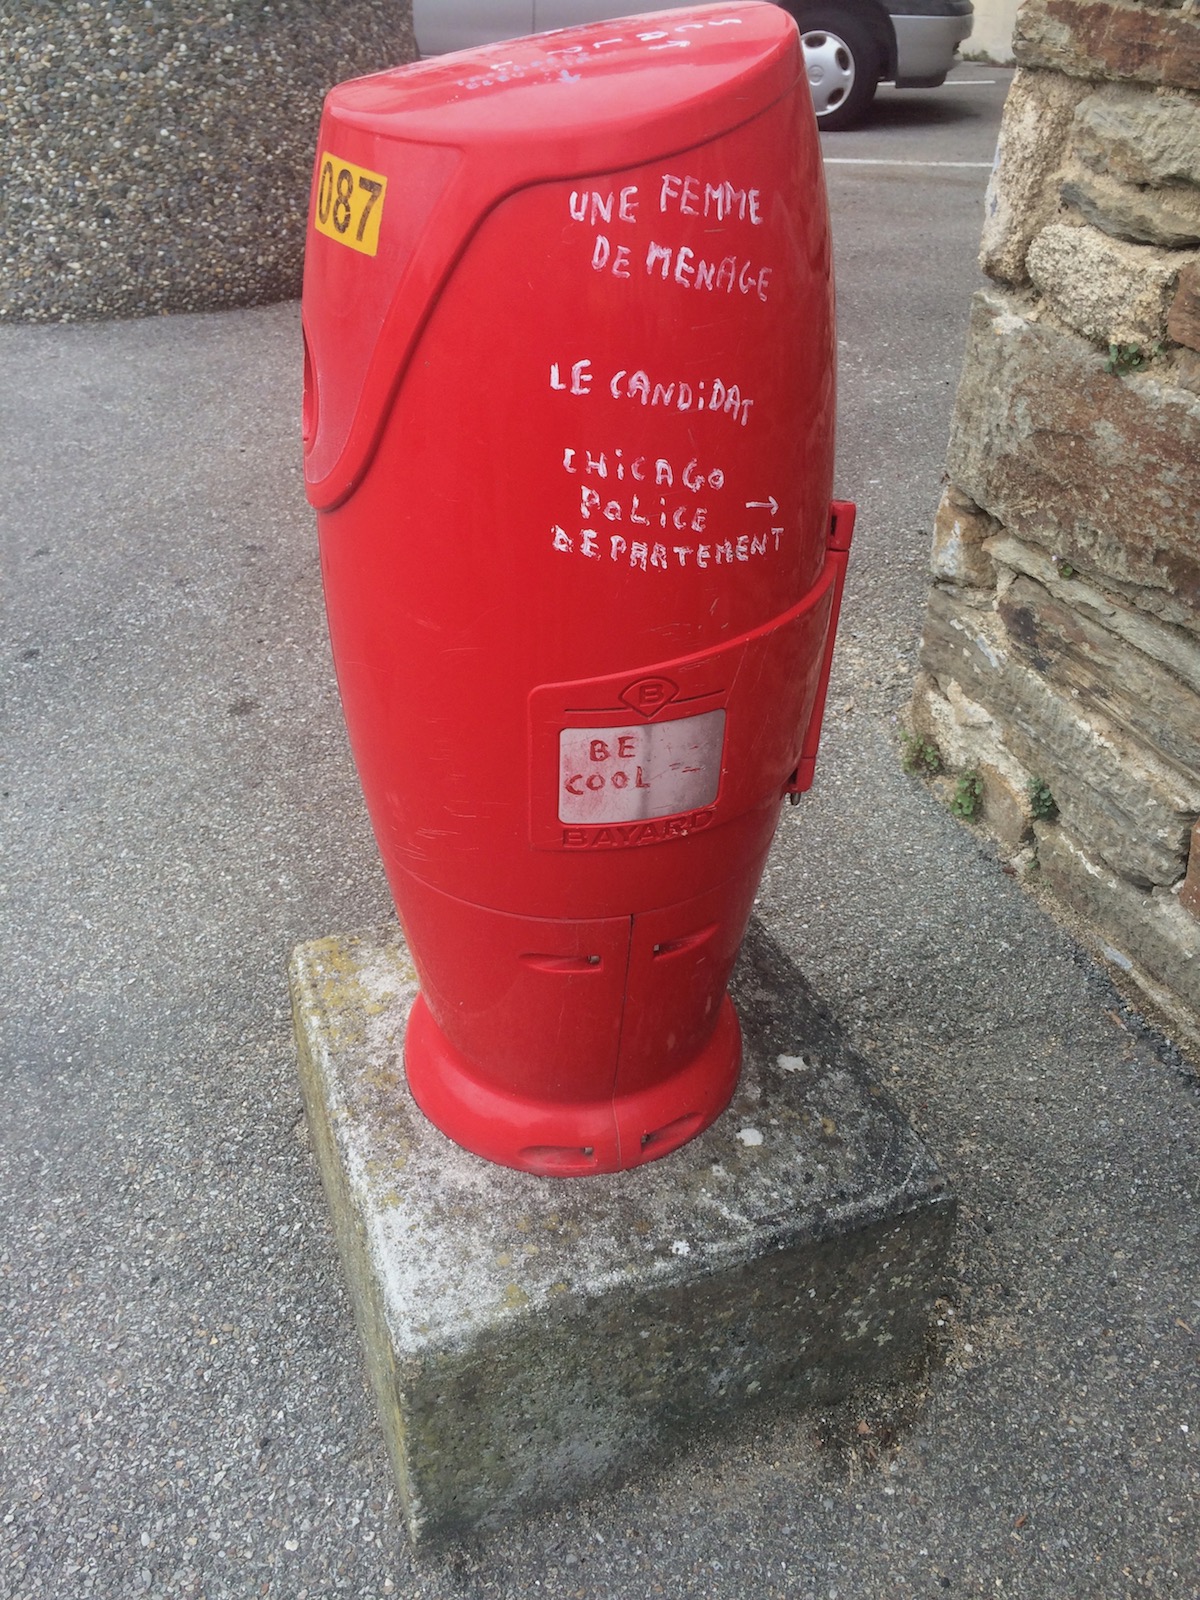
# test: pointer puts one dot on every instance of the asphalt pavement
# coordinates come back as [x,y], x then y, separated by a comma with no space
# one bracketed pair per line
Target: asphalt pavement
[183,1406]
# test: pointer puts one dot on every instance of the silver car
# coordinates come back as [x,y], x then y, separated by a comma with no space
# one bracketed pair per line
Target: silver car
[850,46]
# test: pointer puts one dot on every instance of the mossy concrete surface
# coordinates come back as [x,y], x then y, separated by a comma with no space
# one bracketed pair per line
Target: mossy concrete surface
[532,1338]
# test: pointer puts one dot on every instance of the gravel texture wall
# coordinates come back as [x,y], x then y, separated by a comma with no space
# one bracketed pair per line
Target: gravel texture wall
[158,153]
[1058,705]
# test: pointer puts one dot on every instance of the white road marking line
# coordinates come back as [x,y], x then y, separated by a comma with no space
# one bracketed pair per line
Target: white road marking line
[874,161]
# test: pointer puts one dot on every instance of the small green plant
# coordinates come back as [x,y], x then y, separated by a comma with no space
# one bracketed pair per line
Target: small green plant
[968,794]
[1126,358]
[920,756]
[1063,567]
[1042,804]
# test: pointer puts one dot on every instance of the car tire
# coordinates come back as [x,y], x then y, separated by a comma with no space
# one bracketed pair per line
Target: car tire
[842,62]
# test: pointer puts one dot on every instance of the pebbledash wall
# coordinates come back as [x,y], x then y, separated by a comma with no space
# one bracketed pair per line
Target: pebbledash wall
[158,153]
[992,31]
[1061,653]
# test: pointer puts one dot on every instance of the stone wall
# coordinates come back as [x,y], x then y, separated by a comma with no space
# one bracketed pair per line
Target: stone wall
[157,153]
[1060,683]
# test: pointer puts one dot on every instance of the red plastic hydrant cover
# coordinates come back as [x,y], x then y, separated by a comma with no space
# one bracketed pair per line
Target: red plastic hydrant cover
[569,410]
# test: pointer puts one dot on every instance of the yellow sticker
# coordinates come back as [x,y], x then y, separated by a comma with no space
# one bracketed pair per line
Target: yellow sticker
[350,203]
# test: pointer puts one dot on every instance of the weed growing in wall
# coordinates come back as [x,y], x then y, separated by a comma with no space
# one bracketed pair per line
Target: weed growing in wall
[1042,804]
[919,756]
[968,795]
[1126,358]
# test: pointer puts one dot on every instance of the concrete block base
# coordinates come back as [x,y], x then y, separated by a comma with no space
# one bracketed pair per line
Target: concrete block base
[530,1339]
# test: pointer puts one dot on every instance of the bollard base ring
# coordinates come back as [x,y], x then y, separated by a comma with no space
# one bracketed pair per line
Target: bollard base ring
[569,1139]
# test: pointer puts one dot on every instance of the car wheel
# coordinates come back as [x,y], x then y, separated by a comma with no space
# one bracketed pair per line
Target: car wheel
[842,63]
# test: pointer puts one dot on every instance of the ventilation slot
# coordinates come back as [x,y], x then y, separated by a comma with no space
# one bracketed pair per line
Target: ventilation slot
[673,1133]
[557,1160]
[674,947]
[547,963]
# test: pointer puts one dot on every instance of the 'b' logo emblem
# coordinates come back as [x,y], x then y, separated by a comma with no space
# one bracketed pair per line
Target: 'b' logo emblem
[647,696]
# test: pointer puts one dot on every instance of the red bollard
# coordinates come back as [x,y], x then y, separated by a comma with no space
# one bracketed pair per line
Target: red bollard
[568,416]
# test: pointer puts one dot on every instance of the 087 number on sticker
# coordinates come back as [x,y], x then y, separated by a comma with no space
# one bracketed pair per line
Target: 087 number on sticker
[349,204]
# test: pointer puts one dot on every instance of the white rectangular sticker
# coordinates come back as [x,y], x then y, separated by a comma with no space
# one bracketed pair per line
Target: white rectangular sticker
[653,769]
